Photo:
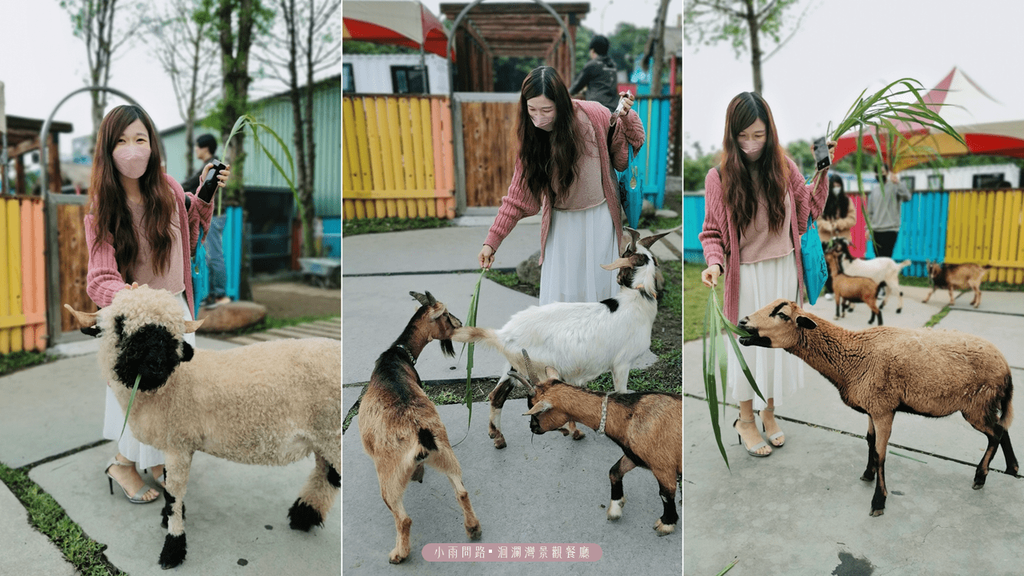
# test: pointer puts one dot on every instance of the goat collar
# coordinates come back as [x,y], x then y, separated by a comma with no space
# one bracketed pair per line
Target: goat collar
[412,359]
[604,414]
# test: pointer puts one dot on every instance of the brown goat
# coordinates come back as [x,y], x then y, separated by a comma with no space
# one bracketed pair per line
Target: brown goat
[884,370]
[400,427]
[648,426]
[958,276]
[853,289]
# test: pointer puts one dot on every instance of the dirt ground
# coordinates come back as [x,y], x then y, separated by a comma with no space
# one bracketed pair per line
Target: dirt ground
[293,299]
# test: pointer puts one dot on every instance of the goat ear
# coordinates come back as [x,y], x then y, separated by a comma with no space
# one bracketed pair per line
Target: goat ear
[193,325]
[805,322]
[617,264]
[85,319]
[539,407]
[552,373]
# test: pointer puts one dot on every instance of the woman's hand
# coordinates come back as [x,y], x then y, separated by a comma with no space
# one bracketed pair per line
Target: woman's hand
[223,176]
[710,275]
[132,286]
[628,101]
[831,151]
[486,257]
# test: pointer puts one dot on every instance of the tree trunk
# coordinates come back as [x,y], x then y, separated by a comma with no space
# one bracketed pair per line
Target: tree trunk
[659,48]
[755,45]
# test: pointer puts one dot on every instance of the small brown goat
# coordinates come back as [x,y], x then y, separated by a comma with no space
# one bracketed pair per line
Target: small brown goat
[400,427]
[853,289]
[958,276]
[648,426]
[884,370]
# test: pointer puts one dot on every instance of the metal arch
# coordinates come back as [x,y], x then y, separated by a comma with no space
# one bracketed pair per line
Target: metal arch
[52,261]
[458,20]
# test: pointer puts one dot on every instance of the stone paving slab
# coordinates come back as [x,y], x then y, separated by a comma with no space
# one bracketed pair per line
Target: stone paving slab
[26,551]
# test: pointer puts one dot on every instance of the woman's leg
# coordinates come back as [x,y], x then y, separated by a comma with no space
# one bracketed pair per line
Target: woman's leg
[129,479]
[770,425]
[747,429]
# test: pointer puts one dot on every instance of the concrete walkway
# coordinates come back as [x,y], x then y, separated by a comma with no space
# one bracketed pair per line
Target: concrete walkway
[804,510]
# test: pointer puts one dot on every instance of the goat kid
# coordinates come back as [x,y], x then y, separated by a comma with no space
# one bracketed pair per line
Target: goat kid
[399,425]
[267,404]
[648,426]
[884,370]
[581,340]
[958,276]
[880,269]
[853,289]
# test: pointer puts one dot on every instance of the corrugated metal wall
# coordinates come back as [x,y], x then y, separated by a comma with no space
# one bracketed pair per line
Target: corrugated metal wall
[276,112]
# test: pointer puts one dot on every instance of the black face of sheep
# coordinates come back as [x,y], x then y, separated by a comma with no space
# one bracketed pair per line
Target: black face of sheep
[151,353]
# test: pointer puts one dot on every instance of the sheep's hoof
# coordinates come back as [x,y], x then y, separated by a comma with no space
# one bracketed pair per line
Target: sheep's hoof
[867,477]
[878,512]
[577,435]
[417,474]
[396,557]
[174,551]
[474,532]
[303,517]
[664,529]
[898,310]
[499,442]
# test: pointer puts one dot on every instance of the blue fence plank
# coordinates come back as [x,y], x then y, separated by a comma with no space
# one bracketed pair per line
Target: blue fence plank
[233,250]
[923,223]
[693,223]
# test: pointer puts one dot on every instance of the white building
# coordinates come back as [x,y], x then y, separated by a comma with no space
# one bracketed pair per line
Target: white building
[393,74]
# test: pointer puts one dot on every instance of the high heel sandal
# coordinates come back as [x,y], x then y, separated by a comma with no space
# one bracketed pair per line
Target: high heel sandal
[753,451]
[137,498]
[778,434]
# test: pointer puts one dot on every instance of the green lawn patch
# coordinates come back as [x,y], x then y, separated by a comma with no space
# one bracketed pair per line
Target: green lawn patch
[354,227]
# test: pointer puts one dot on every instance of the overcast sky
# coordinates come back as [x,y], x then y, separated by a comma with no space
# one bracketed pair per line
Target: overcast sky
[843,47]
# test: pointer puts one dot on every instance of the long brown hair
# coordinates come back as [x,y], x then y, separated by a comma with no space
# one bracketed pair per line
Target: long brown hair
[739,192]
[109,201]
[548,158]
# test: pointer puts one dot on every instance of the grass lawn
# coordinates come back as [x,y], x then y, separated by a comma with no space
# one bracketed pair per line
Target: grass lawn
[695,299]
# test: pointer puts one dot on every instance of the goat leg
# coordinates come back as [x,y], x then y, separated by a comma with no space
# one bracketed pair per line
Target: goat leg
[981,473]
[667,523]
[498,396]
[570,428]
[1011,460]
[615,474]
[444,461]
[883,427]
[869,472]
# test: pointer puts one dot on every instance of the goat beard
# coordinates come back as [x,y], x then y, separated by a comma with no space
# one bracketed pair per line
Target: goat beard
[447,348]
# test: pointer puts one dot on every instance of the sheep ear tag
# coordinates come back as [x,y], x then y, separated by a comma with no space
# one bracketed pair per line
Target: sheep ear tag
[805,322]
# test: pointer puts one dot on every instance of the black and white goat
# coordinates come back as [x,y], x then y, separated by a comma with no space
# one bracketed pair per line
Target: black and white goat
[400,427]
[581,340]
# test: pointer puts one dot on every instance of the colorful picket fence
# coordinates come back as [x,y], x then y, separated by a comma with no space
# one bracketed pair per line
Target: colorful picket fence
[981,226]
[22,275]
[398,157]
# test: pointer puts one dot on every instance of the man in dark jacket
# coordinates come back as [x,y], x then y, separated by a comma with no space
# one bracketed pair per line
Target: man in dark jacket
[206,147]
[598,76]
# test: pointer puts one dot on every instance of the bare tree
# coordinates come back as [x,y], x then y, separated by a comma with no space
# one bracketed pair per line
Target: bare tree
[93,21]
[740,22]
[658,37]
[306,43]
[188,53]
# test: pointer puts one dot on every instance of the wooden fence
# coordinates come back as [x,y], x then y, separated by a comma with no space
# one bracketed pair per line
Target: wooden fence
[398,157]
[22,275]
[490,146]
[981,226]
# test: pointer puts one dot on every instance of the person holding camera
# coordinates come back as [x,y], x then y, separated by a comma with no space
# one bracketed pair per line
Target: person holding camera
[206,147]
[756,208]
[598,76]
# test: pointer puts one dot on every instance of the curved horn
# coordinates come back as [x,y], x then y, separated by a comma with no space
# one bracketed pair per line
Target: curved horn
[529,368]
[517,376]
[85,319]
[634,236]
[424,300]
[650,240]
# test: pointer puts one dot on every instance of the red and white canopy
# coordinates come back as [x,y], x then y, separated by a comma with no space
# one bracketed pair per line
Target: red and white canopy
[402,22]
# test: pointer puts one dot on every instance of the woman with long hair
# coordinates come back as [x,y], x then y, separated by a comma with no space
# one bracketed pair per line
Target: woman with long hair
[564,170]
[138,232]
[837,219]
[756,209]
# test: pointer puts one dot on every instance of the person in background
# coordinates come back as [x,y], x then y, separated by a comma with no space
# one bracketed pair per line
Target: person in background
[756,208]
[884,210]
[206,147]
[598,76]
[837,219]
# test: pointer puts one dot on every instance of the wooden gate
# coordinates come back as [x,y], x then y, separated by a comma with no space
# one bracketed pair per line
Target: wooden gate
[398,157]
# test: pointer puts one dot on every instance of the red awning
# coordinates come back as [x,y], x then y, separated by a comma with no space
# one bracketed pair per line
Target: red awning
[401,22]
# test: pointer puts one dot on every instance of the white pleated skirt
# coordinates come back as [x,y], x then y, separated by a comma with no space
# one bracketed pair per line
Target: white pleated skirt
[578,243]
[776,371]
[143,455]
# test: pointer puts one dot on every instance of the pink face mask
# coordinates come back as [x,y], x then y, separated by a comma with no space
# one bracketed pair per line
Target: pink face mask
[752,147]
[543,123]
[131,161]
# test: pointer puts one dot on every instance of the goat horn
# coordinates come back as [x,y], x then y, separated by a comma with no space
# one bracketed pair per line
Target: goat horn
[517,376]
[650,240]
[634,236]
[529,367]
[619,263]
[423,300]
[85,319]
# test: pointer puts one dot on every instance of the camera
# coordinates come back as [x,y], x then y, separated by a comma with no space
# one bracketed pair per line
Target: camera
[821,159]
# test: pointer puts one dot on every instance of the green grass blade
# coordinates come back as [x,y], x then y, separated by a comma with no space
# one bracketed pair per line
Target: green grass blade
[131,401]
[709,360]
[471,321]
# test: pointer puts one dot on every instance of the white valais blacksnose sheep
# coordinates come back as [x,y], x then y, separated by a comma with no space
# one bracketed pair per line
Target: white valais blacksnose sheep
[581,340]
[271,403]
[884,370]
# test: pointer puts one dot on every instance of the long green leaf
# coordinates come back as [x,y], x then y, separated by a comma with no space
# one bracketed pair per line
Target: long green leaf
[471,321]
[131,401]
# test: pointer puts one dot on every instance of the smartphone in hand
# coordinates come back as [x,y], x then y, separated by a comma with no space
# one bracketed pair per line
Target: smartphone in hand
[821,159]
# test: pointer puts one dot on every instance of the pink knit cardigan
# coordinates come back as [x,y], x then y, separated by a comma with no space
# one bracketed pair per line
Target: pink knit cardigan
[103,279]
[720,234]
[518,203]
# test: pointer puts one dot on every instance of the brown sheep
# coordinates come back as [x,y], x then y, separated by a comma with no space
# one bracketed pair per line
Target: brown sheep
[648,426]
[399,425]
[958,276]
[853,289]
[884,370]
